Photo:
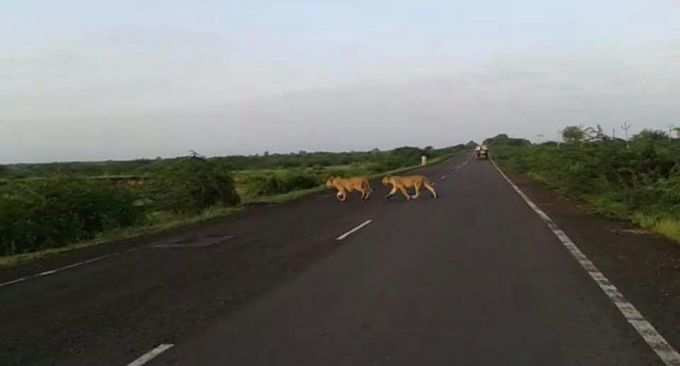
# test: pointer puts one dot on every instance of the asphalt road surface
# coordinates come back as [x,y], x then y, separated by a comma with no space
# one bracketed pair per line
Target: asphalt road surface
[472,278]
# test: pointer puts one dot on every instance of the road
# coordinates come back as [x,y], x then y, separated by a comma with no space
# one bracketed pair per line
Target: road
[472,278]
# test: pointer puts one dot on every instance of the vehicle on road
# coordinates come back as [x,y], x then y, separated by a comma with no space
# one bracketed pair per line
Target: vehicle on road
[482,152]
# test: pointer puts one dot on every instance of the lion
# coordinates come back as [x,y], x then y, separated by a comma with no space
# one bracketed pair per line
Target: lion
[416,182]
[347,185]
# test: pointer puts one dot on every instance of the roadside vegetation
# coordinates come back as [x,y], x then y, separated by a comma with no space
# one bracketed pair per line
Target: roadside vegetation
[49,207]
[636,179]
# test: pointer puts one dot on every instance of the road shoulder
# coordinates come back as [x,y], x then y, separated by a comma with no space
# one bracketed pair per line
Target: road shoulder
[644,266]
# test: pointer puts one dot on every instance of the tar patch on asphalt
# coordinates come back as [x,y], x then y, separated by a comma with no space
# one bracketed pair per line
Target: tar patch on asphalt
[201,242]
[631,231]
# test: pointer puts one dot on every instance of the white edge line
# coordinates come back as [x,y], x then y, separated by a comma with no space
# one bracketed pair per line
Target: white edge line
[345,235]
[151,355]
[61,269]
[668,355]
[22,279]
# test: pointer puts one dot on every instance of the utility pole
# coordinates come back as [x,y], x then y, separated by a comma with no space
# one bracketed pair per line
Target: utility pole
[625,127]
[560,136]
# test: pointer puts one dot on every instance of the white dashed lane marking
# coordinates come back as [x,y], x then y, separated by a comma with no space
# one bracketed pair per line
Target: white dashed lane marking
[357,228]
[61,269]
[145,358]
[668,355]
[200,244]
[456,168]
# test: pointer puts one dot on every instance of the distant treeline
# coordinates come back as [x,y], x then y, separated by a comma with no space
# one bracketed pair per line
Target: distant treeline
[143,167]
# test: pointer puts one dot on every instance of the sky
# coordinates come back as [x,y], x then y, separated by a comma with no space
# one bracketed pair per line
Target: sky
[93,80]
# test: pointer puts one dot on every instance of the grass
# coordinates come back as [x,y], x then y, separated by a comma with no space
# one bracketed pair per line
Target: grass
[668,227]
[162,221]
[284,197]
[608,207]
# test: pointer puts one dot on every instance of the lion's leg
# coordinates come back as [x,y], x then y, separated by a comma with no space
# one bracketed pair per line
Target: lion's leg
[342,196]
[431,189]
[367,190]
[392,192]
[417,189]
[405,193]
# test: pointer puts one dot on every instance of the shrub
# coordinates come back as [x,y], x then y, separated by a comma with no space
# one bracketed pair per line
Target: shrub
[639,180]
[54,212]
[192,184]
[278,183]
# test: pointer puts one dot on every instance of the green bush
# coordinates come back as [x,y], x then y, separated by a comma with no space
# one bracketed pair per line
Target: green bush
[639,179]
[54,212]
[278,183]
[192,184]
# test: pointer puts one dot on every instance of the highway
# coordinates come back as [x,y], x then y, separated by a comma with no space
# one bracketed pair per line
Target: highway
[475,277]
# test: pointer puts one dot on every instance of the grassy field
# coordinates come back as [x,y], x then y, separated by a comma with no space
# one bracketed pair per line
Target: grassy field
[46,215]
[636,180]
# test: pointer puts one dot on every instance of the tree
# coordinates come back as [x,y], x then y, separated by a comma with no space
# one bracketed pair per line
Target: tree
[592,134]
[650,135]
[195,155]
[572,134]
[193,184]
[504,139]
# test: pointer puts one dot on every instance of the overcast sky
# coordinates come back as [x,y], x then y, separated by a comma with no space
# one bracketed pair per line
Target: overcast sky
[93,80]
